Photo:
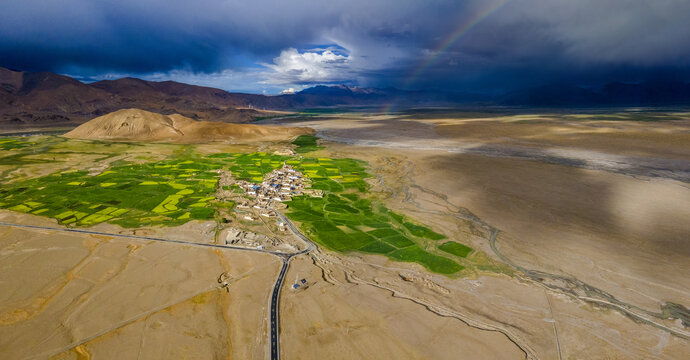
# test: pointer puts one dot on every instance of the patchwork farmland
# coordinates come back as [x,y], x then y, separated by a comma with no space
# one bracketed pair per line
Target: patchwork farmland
[130,195]
[183,188]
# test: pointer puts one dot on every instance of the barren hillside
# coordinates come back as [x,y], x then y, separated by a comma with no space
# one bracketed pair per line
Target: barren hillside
[141,125]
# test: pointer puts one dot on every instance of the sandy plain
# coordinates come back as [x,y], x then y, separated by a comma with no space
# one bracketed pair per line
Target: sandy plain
[67,296]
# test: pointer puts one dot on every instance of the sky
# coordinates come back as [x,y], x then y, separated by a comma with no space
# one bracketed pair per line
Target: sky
[274,46]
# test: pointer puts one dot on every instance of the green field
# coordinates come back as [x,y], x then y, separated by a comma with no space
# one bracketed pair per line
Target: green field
[182,188]
[132,195]
[169,192]
[345,220]
[13,143]
[252,166]
[456,249]
[306,143]
[18,151]
[350,223]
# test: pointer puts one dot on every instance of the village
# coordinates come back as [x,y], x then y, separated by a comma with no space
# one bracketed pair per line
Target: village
[255,204]
[278,186]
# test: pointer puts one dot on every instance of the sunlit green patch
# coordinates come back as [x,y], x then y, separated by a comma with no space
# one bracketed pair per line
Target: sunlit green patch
[14,143]
[20,208]
[306,143]
[95,219]
[32,204]
[64,215]
[119,212]
[338,220]
[423,231]
[416,229]
[168,204]
[384,232]
[399,241]
[430,261]
[117,195]
[178,186]
[455,248]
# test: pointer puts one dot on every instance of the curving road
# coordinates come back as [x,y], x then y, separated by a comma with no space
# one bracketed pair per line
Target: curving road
[295,230]
[275,295]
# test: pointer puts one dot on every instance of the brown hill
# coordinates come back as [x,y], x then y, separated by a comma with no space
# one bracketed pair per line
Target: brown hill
[45,99]
[141,125]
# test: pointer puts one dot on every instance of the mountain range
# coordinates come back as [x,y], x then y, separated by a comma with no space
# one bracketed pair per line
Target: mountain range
[30,99]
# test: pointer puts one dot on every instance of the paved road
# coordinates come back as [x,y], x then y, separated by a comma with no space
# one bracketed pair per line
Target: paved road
[275,319]
[146,238]
[275,296]
[295,230]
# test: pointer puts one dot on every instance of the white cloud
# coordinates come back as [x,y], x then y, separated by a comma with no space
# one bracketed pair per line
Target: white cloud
[309,67]
[288,91]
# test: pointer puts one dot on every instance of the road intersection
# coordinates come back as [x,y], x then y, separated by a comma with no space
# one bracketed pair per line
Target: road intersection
[275,295]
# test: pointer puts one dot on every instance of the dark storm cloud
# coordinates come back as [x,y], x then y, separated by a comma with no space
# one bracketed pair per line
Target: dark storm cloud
[384,42]
[532,42]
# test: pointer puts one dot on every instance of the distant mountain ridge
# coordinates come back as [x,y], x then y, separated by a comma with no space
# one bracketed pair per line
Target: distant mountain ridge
[41,99]
[345,90]
[44,98]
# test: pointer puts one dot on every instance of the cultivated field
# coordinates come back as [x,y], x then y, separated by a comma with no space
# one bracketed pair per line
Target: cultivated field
[182,188]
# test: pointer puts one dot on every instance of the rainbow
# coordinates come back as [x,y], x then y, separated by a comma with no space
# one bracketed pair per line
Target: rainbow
[451,39]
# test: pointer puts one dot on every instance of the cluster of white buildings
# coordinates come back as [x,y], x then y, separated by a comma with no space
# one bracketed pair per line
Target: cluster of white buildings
[278,186]
[256,204]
